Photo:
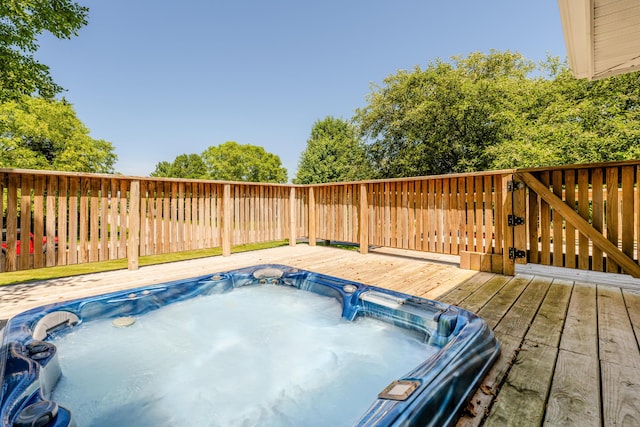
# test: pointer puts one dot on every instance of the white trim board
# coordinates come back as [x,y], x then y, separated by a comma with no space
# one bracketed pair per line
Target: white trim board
[620,280]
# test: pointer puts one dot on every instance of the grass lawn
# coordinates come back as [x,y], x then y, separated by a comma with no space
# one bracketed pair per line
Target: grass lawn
[14,277]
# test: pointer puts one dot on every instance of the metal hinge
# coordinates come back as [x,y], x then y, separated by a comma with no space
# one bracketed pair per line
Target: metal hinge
[515,185]
[513,220]
[516,253]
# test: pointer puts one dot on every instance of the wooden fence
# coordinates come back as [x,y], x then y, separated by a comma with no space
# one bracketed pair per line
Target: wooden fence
[445,214]
[584,216]
[91,217]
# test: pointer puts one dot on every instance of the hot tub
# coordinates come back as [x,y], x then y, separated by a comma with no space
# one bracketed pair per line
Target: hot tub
[431,393]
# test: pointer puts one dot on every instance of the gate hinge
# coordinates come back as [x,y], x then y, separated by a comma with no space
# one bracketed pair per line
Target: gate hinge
[513,220]
[515,185]
[516,253]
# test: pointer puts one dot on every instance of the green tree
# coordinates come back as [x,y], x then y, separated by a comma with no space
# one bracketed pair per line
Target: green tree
[570,121]
[333,154]
[440,119]
[498,110]
[163,170]
[36,133]
[190,166]
[21,23]
[234,162]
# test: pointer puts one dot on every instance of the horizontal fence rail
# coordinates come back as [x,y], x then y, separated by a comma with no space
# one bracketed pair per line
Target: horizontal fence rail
[582,216]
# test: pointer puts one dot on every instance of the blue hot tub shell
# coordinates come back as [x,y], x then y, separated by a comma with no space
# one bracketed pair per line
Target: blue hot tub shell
[432,394]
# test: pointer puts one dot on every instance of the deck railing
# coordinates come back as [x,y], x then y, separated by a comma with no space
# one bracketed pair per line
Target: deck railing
[584,216]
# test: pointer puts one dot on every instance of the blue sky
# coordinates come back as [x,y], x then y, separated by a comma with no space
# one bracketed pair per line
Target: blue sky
[159,78]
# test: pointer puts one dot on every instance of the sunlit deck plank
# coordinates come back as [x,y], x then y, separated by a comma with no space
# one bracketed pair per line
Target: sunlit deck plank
[517,320]
[488,290]
[546,328]
[525,382]
[580,332]
[619,360]
[632,301]
[617,341]
[620,391]
[523,396]
[461,292]
[479,404]
[552,376]
[574,399]
[500,304]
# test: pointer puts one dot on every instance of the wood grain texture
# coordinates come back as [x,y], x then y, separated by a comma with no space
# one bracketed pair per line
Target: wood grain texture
[484,396]
[632,302]
[570,230]
[597,216]
[480,297]
[557,220]
[499,305]
[521,314]
[620,391]
[583,210]
[546,327]
[611,216]
[574,399]
[528,381]
[580,333]
[616,337]
[26,187]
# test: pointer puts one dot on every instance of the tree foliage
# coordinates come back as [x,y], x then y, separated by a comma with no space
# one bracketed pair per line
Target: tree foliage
[333,154]
[42,134]
[573,121]
[21,23]
[235,162]
[497,110]
[227,162]
[440,119]
[190,166]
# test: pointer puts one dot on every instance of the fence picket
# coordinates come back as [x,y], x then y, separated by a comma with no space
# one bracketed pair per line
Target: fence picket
[90,216]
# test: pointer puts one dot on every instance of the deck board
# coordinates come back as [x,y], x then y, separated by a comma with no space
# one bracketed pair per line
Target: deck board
[616,338]
[565,345]
[500,304]
[486,292]
[479,404]
[522,398]
[463,291]
[547,326]
[621,392]
[574,399]
[580,333]
[517,320]
[632,301]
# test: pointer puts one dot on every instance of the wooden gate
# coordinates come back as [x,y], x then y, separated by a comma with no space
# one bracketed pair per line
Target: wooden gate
[581,216]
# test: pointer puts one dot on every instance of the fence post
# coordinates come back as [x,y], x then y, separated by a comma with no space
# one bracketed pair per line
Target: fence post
[364,220]
[292,216]
[12,223]
[508,265]
[227,219]
[312,217]
[133,244]
[519,210]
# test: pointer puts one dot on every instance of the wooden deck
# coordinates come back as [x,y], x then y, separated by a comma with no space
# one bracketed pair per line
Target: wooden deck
[570,353]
